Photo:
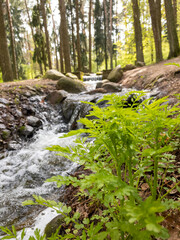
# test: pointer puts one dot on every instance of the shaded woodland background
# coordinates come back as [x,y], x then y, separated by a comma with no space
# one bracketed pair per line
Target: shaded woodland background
[88,36]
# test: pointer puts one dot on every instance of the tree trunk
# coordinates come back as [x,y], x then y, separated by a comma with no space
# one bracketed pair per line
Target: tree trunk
[61,49]
[13,47]
[138,31]
[171,27]
[73,38]
[78,37]
[65,36]
[110,36]
[90,44]
[46,32]
[155,11]
[175,10]
[5,62]
[106,28]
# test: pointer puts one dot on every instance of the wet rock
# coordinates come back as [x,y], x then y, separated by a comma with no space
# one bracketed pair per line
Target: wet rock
[53,225]
[70,85]
[56,96]
[2,105]
[116,74]
[26,131]
[99,84]
[2,127]
[53,75]
[98,90]
[112,87]
[34,121]
[28,110]
[13,145]
[4,101]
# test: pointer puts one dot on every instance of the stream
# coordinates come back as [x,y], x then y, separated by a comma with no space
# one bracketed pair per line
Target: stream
[23,172]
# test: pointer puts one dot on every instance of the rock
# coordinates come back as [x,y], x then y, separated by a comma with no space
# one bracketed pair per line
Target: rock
[2,105]
[140,64]
[99,84]
[56,96]
[2,127]
[71,75]
[70,85]
[34,121]
[112,87]
[6,134]
[4,101]
[98,90]
[99,73]
[79,74]
[116,74]
[53,225]
[38,76]
[28,110]
[106,73]
[53,74]
[129,67]
[13,145]
[26,131]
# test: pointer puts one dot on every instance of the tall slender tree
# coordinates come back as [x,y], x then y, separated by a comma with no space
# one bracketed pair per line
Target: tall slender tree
[106,30]
[12,38]
[138,31]
[110,34]
[155,12]
[78,36]
[5,63]
[72,33]
[43,10]
[171,29]
[90,40]
[65,36]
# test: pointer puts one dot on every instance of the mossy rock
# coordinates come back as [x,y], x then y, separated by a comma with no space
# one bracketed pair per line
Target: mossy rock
[71,75]
[70,85]
[53,75]
[116,74]
[53,225]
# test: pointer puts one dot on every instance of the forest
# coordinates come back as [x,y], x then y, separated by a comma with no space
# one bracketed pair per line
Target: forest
[87,36]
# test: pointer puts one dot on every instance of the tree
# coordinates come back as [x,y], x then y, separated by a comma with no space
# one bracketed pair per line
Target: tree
[155,11]
[138,31]
[171,29]
[43,10]
[110,35]
[90,42]
[13,47]
[5,62]
[65,36]
[72,34]
[78,36]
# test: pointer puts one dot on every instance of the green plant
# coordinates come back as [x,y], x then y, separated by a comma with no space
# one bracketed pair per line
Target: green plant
[129,147]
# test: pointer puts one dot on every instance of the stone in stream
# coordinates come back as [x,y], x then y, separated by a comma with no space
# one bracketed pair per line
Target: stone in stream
[112,87]
[34,121]
[56,96]
[99,84]
[26,131]
[53,225]
[70,85]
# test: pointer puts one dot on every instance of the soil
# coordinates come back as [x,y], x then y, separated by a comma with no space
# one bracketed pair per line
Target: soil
[166,78]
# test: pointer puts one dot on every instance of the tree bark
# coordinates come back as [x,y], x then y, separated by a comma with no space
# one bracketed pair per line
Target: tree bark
[106,28]
[65,36]
[78,37]
[46,32]
[155,11]
[5,62]
[73,37]
[61,49]
[110,36]
[138,31]
[172,32]
[90,44]
[13,47]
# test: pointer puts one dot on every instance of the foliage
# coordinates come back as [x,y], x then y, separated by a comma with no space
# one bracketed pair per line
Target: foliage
[130,145]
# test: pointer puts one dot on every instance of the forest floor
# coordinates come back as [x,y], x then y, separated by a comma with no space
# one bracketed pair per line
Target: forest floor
[166,78]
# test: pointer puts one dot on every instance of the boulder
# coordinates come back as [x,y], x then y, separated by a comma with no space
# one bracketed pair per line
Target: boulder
[112,87]
[98,90]
[53,75]
[140,64]
[26,131]
[116,74]
[70,85]
[106,73]
[71,75]
[129,67]
[99,84]
[56,97]
[53,225]
[34,121]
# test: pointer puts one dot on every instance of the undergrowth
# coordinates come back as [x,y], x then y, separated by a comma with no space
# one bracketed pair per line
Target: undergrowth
[124,148]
